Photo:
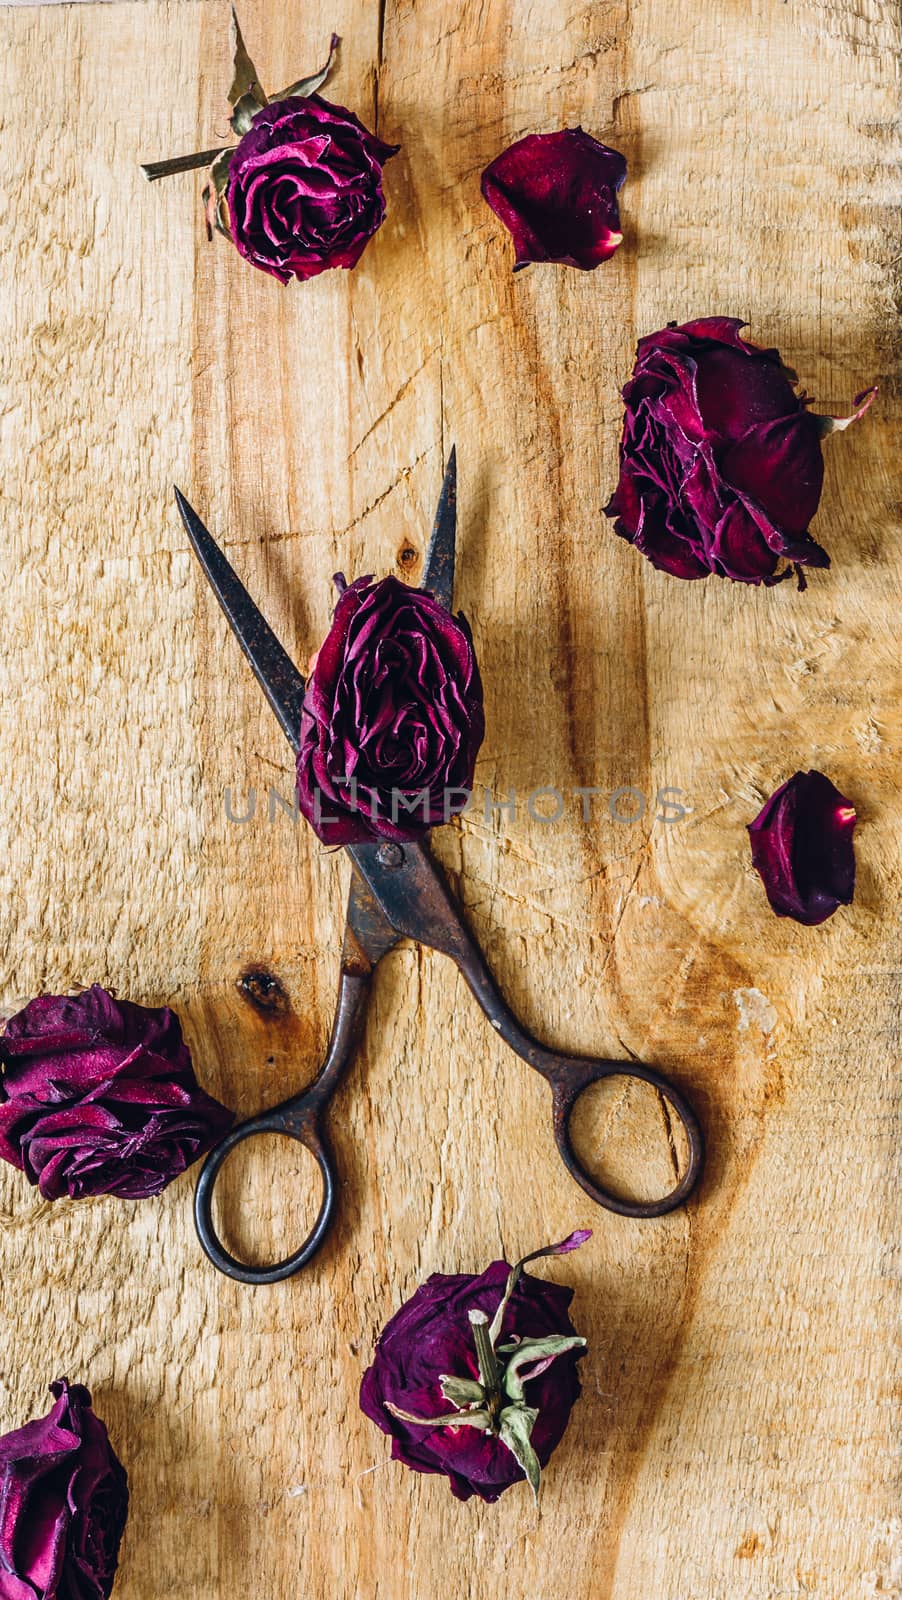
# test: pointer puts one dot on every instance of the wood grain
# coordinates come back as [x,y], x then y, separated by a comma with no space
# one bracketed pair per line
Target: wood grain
[737,1434]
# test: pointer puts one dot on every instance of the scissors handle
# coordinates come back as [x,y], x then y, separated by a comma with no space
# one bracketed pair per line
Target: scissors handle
[417,901]
[299,1118]
[568,1077]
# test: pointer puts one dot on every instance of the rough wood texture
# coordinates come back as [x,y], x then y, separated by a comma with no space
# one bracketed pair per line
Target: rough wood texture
[735,1438]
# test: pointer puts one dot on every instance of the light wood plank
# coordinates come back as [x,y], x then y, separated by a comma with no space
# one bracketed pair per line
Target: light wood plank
[735,1438]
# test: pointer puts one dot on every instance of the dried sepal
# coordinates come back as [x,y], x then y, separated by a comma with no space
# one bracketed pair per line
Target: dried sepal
[453,1419]
[539,1351]
[246,95]
[215,209]
[861,403]
[305,86]
[572,1242]
[516,1425]
[462,1391]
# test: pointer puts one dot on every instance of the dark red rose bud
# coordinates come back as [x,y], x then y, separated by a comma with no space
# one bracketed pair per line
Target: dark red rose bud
[63,1504]
[304,188]
[475,1377]
[98,1096]
[720,459]
[392,718]
[802,847]
[557,194]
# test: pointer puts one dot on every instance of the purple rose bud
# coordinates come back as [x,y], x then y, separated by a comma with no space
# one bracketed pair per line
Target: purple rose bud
[802,848]
[63,1504]
[720,459]
[475,1377]
[304,188]
[392,718]
[557,194]
[98,1096]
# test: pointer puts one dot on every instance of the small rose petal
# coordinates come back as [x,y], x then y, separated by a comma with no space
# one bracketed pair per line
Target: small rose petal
[557,194]
[802,848]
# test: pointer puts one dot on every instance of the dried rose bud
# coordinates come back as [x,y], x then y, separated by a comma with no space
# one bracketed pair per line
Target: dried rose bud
[475,1376]
[720,460]
[98,1096]
[392,718]
[305,188]
[63,1504]
[802,848]
[302,190]
[557,194]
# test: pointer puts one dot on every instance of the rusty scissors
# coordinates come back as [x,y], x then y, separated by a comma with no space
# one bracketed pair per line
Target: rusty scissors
[396,892]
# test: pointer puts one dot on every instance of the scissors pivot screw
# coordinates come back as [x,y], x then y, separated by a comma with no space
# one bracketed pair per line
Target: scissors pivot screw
[390,855]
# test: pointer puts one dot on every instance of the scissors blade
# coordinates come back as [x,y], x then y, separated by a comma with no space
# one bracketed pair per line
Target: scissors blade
[273,668]
[369,934]
[438,574]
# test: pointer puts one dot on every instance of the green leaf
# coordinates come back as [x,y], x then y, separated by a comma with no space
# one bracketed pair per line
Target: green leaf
[529,1351]
[454,1419]
[517,1423]
[305,86]
[246,96]
[462,1391]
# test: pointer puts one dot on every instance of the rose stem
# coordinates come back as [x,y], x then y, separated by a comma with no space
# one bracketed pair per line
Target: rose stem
[489,1372]
[153,170]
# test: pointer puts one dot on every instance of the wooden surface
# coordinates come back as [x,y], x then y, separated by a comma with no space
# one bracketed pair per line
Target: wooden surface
[738,1433]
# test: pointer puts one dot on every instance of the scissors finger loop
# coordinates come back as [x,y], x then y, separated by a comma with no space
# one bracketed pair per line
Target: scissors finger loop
[283,1120]
[570,1080]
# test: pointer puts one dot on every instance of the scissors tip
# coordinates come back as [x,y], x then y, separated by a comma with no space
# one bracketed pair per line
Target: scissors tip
[438,576]
[186,510]
[199,535]
[276,673]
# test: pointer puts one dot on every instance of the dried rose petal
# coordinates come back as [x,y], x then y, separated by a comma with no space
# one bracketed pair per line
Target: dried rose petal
[802,848]
[557,194]
[720,460]
[98,1096]
[63,1504]
[392,718]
